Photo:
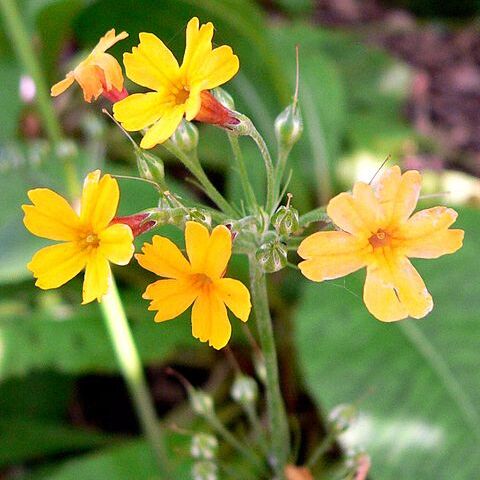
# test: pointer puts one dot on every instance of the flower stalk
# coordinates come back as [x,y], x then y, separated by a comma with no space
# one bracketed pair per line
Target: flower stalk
[277,417]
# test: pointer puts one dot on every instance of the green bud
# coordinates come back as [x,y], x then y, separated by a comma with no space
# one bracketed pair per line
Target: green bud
[342,417]
[286,220]
[204,446]
[204,470]
[224,98]
[185,136]
[272,256]
[201,403]
[288,127]
[150,166]
[244,390]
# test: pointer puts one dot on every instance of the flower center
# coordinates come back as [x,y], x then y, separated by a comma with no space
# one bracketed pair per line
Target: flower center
[379,239]
[181,96]
[201,281]
[91,240]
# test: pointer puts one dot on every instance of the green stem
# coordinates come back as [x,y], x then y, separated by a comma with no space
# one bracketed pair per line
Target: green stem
[321,449]
[194,166]
[131,367]
[277,417]
[317,215]
[246,185]
[280,169]
[262,146]
[29,61]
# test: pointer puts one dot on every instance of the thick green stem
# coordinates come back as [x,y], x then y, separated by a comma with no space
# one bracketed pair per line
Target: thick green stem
[277,417]
[26,55]
[246,185]
[131,368]
[194,166]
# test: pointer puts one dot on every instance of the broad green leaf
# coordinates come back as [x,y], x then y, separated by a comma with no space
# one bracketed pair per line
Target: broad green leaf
[416,382]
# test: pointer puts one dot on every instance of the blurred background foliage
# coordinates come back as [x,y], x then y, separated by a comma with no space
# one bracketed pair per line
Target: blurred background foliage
[64,412]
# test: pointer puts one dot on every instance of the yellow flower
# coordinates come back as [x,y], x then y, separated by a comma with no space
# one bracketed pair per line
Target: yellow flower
[177,89]
[378,231]
[98,73]
[89,241]
[199,281]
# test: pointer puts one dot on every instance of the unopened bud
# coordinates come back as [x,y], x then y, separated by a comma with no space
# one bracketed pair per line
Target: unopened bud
[286,220]
[288,127]
[244,390]
[139,223]
[272,256]
[224,98]
[342,417]
[204,470]
[201,403]
[150,166]
[204,446]
[185,136]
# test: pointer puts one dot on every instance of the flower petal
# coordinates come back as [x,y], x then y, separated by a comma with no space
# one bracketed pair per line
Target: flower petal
[196,243]
[140,110]
[89,77]
[198,46]
[193,104]
[112,71]
[50,216]
[151,64]
[62,85]
[398,194]
[99,200]
[108,40]
[426,234]
[170,297]
[235,295]
[97,277]
[346,213]
[163,129]
[210,320]
[163,258]
[57,264]
[116,243]
[332,255]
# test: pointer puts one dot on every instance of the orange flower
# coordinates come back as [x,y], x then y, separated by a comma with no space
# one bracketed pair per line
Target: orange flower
[199,281]
[98,73]
[378,231]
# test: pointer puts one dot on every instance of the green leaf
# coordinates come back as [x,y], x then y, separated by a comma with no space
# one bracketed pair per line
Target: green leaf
[416,382]
[10,103]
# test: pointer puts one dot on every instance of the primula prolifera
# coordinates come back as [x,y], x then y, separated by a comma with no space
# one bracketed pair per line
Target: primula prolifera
[199,280]
[90,242]
[178,91]
[98,73]
[377,231]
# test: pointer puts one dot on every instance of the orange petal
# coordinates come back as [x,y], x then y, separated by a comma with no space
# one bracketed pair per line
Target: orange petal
[89,77]
[50,216]
[97,277]
[163,258]
[62,85]
[112,71]
[197,238]
[210,320]
[332,255]
[426,234]
[235,295]
[347,214]
[108,40]
[170,297]
[116,243]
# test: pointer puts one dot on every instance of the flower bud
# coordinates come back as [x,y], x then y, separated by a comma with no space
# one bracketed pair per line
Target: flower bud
[204,470]
[201,403]
[204,446]
[139,223]
[342,417]
[150,166]
[213,112]
[224,98]
[272,256]
[288,127]
[286,220]
[244,390]
[185,136]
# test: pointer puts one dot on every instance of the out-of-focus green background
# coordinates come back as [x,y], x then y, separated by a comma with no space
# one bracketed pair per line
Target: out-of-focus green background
[64,413]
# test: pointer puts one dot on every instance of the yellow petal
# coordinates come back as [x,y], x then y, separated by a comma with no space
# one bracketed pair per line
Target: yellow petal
[367,206]
[426,234]
[347,215]
[163,258]
[108,40]
[112,71]
[50,216]
[235,295]
[163,129]
[89,77]
[332,255]
[220,66]
[198,46]
[116,243]
[62,85]
[170,298]
[57,264]
[151,64]
[193,104]
[99,200]
[196,243]
[210,320]
[140,110]
[398,194]
[97,277]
